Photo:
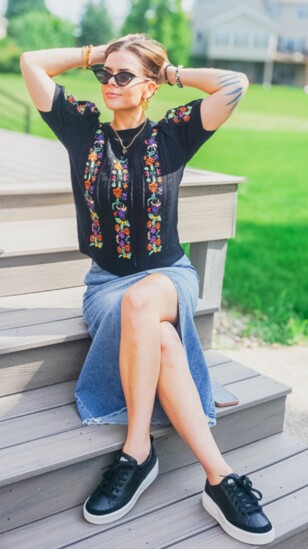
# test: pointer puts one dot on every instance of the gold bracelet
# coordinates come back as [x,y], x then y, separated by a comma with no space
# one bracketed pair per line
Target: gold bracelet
[84,57]
[89,60]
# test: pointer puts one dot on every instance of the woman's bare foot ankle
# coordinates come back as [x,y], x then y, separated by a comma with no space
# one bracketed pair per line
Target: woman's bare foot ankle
[138,453]
[216,478]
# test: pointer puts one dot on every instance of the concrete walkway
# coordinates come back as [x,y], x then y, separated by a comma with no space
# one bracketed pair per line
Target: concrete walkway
[290,366]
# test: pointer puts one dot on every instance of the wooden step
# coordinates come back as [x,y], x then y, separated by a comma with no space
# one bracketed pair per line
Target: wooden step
[59,235]
[38,273]
[36,255]
[48,458]
[170,513]
[27,213]
[35,174]
[41,179]
[44,339]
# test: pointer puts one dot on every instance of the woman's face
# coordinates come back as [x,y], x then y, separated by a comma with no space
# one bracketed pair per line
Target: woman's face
[131,95]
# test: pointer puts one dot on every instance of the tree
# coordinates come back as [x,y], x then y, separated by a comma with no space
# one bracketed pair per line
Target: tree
[96,27]
[165,21]
[139,17]
[36,30]
[16,8]
[171,27]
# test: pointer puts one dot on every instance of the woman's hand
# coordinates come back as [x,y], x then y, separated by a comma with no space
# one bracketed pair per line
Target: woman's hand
[98,55]
[38,67]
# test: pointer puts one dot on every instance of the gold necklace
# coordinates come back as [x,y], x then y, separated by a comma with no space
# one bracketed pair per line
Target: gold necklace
[124,148]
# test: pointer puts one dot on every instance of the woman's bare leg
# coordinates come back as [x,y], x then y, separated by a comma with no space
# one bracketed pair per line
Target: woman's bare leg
[152,358]
[180,399]
[143,306]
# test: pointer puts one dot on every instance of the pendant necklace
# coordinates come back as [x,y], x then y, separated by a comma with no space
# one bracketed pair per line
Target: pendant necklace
[124,148]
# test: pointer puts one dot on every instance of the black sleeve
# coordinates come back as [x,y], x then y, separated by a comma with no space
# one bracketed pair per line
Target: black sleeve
[185,123]
[69,119]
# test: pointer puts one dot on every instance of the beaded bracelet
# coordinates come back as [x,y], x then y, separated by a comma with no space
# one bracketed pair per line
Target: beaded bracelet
[177,76]
[166,77]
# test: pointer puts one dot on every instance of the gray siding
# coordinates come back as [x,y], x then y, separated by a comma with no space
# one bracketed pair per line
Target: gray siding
[258,37]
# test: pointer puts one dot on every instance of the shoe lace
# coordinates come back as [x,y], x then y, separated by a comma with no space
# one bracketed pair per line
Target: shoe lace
[242,493]
[115,476]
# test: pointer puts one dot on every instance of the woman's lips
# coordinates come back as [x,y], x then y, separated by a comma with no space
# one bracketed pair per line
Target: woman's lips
[112,94]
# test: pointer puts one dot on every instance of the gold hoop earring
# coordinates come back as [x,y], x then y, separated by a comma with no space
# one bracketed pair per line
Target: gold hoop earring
[145,103]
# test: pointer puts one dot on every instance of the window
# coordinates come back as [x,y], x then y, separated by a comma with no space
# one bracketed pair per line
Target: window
[290,45]
[273,10]
[199,36]
[299,44]
[260,40]
[221,38]
[302,11]
[241,39]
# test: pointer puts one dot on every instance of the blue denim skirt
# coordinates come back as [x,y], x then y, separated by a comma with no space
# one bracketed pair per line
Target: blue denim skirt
[99,393]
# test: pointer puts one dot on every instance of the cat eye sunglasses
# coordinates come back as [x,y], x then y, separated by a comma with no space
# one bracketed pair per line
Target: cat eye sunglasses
[122,78]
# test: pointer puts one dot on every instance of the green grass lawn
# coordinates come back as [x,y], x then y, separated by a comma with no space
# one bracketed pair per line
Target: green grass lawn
[266,140]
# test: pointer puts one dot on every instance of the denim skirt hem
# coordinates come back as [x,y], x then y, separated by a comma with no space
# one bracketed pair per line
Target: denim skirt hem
[99,394]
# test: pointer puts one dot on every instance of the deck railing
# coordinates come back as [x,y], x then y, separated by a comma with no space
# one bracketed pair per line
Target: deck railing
[14,113]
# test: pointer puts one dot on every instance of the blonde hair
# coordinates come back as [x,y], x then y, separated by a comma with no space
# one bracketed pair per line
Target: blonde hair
[151,53]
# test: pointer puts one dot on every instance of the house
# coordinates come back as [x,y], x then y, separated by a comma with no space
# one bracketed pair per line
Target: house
[267,40]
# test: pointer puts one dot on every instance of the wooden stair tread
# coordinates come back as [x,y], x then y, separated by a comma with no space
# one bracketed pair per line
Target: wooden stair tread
[174,503]
[55,435]
[30,173]
[38,236]
[45,318]
[59,394]
[37,212]
[25,177]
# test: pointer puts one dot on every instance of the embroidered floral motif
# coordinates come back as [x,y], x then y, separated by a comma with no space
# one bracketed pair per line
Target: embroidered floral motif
[119,184]
[81,107]
[154,180]
[90,176]
[179,114]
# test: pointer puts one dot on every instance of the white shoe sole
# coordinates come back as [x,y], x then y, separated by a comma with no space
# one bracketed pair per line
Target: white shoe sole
[110,517]
[237,533]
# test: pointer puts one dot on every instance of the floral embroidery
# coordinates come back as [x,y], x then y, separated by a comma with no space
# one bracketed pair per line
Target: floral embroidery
[179,114]
[90,176]
[154,180]
[119,184]
[81,107]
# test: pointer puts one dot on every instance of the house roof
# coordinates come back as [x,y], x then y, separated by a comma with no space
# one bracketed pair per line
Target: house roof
[262,20]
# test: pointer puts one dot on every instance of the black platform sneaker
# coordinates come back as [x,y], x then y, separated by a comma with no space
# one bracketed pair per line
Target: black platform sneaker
[234,505]
[122,484]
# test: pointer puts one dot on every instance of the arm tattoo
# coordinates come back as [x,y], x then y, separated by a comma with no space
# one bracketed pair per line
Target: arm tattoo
[230,80]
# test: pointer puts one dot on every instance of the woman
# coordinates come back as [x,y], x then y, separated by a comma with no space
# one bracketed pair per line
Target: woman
[145,363]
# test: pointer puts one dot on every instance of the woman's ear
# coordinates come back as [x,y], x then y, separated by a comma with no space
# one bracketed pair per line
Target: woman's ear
[152,88]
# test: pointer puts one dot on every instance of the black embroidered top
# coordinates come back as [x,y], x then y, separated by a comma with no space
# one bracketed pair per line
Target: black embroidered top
[127,206]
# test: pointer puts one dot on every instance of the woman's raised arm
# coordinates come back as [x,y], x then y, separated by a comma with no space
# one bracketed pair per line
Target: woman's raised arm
[226,89]
[38,67]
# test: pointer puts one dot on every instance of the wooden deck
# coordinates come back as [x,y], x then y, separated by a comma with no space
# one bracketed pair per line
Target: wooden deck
[49,462]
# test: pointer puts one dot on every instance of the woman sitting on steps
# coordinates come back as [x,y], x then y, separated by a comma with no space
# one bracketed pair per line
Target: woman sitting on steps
[145,363]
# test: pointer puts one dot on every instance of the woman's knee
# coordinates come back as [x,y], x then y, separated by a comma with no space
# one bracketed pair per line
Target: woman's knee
[136,303]
[170,339]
